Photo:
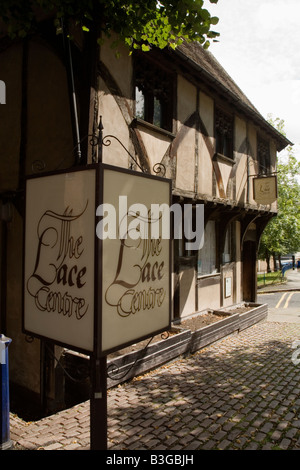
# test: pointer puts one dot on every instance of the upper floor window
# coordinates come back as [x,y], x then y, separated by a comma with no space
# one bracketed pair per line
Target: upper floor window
[263,156]
[224,133]
[153,94]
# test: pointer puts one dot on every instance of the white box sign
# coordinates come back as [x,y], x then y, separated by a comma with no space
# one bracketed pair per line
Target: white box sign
[136,270]
[86,289]
[60,257]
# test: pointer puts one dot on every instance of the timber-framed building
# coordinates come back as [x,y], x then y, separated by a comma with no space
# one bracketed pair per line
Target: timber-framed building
[176,108]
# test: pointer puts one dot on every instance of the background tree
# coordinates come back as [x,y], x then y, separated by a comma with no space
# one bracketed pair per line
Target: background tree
[139,24]
[282,234]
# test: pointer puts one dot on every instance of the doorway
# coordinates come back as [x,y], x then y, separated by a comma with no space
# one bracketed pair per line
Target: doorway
[249,279]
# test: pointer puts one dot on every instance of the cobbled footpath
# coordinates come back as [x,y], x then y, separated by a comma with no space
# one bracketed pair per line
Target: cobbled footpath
[241,393]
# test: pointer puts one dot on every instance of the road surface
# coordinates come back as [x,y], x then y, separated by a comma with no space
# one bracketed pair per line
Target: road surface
[283,306]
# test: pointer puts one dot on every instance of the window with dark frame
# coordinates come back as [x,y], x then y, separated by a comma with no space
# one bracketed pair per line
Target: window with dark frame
[263,156]
[207,256]
[153,94]
[181,243]
[228,252]
[224,133]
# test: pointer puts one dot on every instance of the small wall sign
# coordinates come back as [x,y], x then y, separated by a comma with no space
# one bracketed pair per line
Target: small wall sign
[228,284]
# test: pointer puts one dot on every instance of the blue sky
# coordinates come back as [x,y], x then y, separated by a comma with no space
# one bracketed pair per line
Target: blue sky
[259,47]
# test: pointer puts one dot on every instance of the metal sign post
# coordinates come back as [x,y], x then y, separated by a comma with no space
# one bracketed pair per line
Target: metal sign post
[98,404]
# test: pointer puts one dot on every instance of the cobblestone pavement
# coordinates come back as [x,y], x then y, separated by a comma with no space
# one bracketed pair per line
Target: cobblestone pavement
[241,393]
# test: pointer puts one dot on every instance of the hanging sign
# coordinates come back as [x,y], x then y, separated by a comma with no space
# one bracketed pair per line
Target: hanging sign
[136,259]
[97,263]
[265,189]
[59,272]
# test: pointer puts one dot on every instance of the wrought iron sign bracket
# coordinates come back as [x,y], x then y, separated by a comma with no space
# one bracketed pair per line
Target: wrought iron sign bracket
[263,175]
[105,141]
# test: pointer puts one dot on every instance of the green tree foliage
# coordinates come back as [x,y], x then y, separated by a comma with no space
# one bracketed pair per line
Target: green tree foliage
[139,24]
[282,234]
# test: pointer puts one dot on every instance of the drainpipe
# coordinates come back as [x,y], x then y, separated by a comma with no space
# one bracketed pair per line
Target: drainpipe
[72,92]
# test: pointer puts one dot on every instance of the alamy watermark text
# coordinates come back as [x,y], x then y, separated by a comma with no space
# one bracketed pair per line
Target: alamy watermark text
[160,221]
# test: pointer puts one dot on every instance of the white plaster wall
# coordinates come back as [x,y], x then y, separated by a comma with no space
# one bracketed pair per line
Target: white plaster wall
[186,99]
[225,169]
[208,296]
[119,63]
[156,144]
[114,124]
[205,178]
[241,160]
[240,133]
[187,279]
[185,170]
[186,106]
[253,166]
[242,179]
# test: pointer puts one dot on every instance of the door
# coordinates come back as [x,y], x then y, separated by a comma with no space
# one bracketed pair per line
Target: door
[249,271]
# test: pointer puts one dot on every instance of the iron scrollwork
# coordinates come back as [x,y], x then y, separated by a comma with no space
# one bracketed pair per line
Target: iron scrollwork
[38,166]
[159,169]
[106,141]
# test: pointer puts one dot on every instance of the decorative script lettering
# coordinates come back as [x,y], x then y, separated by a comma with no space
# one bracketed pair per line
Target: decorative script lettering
[143,260]
[59,270]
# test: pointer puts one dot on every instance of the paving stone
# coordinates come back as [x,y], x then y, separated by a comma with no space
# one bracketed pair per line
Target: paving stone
[54,446]
[276,435]
[239,393]
[285,443]
[224,444]
[70,447]
[252,446]
[195,445]
[291,432]
[267,446]
[267,427]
